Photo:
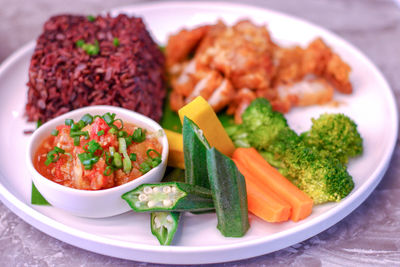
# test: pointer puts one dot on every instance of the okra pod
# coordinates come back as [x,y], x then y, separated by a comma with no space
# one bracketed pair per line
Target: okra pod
[195,148]
[172,196]
[229,193]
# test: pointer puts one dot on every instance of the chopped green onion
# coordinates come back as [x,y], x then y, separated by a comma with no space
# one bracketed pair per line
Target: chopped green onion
[133,156]
[122,124]
[139,135]
[69,122]
[53,155]
[80,43]
[77,140]
[81,124]
[127,165]
[116,41]
[54,132]
[117,160]
[88,160]
[113,131]
[79,133]
[109,118]
[152,150]
[122,133]
[144,167]
[92,147]
[122,145]
[108,171]
[87,119]
[91,18]
[100,133]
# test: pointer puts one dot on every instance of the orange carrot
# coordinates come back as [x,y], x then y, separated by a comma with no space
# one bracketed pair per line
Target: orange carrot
[262,202]
[268,176]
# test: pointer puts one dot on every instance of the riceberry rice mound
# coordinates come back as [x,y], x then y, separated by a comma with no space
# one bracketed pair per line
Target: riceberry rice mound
[81,61]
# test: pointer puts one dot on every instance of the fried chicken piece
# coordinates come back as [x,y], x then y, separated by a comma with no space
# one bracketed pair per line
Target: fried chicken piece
[242,53]
[305,93]
[182,44]
[317,59]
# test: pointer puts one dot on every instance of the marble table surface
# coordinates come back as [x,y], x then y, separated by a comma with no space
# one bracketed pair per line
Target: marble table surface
[369,236]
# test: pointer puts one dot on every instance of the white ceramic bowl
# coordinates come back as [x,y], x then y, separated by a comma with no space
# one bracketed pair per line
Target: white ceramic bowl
[100,203]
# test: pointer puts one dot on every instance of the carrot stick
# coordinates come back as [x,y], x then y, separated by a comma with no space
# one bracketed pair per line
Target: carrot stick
[268,176]
[262,202]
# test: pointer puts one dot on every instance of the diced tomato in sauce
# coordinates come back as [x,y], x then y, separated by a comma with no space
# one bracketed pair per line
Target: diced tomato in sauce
[69,171]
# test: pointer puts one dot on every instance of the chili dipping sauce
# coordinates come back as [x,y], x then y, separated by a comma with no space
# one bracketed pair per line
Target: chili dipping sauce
[97,152]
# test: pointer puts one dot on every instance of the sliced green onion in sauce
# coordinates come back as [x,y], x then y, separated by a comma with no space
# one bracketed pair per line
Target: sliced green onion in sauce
[54,132]
[133,156]
[69,122]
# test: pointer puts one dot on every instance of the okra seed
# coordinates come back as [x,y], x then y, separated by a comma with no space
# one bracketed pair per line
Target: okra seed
[156,189]
[173,189]
[147,190]
[142,197]
[151,203]
[167,202]
[169,218]
[166,189]
[157,222]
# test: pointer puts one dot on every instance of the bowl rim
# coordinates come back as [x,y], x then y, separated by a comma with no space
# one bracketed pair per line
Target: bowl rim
[149,123]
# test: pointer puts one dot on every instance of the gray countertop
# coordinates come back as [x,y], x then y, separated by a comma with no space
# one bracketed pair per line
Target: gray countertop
[369,236]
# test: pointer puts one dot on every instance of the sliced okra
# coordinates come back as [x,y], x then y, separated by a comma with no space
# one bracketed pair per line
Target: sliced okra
[164,225]
[172,196]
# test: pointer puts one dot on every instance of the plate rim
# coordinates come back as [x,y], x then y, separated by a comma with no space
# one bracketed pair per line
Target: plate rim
[58,230]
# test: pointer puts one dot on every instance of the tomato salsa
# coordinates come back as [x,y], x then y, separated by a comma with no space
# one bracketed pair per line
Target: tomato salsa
[97,152]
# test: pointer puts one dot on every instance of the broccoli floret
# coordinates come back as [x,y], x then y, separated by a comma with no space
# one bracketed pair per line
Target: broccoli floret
[336,134]
[322,178]
[263,126]
[308,163]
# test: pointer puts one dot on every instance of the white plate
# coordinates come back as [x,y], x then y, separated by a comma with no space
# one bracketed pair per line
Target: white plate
[128,236]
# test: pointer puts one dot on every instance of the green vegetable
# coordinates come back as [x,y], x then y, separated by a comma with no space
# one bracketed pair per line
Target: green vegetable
[139,135]
[91,18]
[69,122]
[90,49]
[36,197]
[164,228]
[88,160]
[195,148]
[116,41]
[133,156]
[171,196]
[229,193]
[87,119]
[117,160]
[54,132]
[336,135]
[80,43]
[100,133]
[310,160]
[164,225]
[39,123]
[151,162]
[53,155]
[77,141]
